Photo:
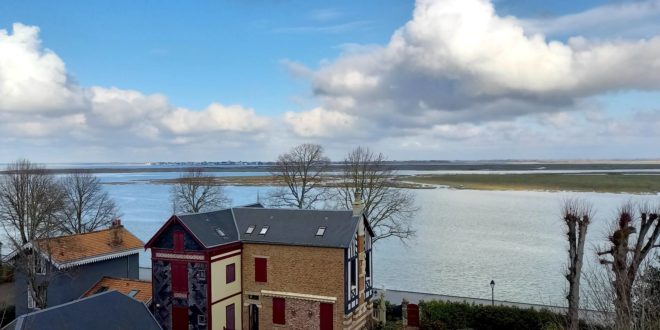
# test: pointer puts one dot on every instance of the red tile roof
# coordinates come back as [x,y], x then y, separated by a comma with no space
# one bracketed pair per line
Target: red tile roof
[73,248]
[124,286]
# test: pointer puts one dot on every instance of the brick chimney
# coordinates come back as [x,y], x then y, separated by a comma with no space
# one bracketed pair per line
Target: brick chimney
[116,233]
[358,210]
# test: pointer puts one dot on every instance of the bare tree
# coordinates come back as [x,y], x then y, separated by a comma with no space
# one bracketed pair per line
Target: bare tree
[390,210]
[197,192]
[86,205]
[30,200]
[630,243]
[301,171]
[577,215]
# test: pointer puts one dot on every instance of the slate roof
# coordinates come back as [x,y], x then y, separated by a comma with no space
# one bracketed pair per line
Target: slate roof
[108,310]
[285,226]
[123,285]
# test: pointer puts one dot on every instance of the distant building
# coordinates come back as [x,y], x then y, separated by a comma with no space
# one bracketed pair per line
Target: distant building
[260,268]
[107,310]
[73,264]
[136,289]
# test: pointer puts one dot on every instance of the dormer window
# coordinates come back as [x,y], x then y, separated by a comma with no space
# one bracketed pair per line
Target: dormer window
[320,231]
[263,230]
[250,229]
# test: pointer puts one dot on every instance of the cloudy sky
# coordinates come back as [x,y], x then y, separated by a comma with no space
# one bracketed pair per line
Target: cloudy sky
[217,80]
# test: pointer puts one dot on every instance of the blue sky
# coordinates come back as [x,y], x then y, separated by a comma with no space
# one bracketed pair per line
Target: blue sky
[248,79]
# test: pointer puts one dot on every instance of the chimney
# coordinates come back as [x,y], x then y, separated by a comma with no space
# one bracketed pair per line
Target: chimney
[116,233]
[116,223]
[358,204]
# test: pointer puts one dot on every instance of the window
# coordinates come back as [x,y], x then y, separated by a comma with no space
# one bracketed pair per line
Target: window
[321,231]
[178,240]
[279,317]
[260,270]
[264,230]
[180,277]
[231,273]
[132,293]
[250,229]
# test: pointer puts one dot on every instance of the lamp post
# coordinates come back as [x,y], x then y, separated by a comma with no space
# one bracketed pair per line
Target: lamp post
[492,292]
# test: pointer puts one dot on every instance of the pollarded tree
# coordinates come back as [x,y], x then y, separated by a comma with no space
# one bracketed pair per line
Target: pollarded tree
[300,170]
[630,243]
[197,192]
[86,205]
[390,210]
[577,216]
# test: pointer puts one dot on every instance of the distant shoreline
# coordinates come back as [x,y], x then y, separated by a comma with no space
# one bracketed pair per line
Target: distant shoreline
[396,165]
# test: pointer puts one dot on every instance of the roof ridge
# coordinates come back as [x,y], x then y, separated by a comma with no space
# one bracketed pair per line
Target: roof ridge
[82,234]
[123,279]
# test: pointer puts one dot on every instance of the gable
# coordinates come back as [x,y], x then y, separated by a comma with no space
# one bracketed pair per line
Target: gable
[165,238]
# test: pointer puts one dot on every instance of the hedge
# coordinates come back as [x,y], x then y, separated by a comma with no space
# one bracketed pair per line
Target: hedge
[446,315]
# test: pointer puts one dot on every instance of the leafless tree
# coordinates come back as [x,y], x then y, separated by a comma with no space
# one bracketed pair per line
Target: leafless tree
[630,243]
[86,205]
[30,200]
[301,171]
[197,192]
[577,215]
[390,210]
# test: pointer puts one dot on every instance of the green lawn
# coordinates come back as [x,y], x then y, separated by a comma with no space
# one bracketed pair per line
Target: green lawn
[611,182]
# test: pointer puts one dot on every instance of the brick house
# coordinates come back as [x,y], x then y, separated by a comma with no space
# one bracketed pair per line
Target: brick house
[72,264]
[261,268]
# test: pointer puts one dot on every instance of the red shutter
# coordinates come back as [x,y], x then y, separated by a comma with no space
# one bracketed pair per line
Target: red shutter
[231,273]
[278,311]
[178,240]
[326,316]
[180,277]
[230,316]
[261,269]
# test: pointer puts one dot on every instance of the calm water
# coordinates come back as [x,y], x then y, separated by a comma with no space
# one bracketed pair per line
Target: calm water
[464,238]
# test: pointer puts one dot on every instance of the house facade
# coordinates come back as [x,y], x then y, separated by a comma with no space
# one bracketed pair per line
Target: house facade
[260,268]
[72,264]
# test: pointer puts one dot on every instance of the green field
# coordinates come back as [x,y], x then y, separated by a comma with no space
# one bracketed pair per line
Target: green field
[610,182]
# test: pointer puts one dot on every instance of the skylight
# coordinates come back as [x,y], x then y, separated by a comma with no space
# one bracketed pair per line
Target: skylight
[133,293]
[250,229]
[321,231]
[264,230]
[220,232]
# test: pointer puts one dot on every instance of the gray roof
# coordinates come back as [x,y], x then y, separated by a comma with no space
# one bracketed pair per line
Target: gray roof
[297,227]
[285,226]
[107,310]
[205,226]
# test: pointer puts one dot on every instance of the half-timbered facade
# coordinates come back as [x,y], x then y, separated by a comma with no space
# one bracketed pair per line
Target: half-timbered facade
[258,268]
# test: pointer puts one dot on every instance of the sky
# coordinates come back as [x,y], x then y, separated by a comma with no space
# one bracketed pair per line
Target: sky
[137,81]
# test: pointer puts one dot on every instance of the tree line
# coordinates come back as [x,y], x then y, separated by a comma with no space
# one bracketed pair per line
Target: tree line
[302,171]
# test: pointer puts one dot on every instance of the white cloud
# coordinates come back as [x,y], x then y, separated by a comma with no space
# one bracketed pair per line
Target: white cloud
[319,122]
[40,103]
[32,79]
[458,61]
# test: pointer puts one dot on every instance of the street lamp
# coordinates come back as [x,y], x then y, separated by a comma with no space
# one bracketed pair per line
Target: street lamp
[492,292]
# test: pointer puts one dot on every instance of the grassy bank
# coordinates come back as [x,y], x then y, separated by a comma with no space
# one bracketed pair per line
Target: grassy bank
[611,182]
